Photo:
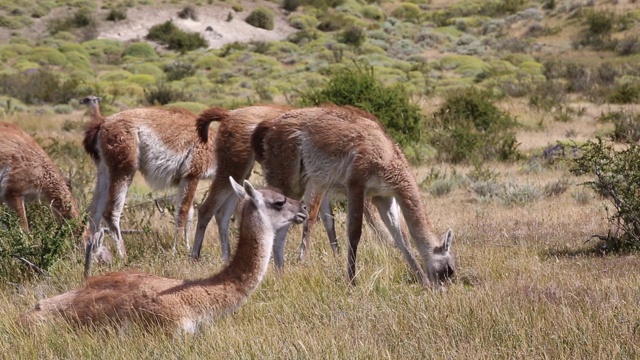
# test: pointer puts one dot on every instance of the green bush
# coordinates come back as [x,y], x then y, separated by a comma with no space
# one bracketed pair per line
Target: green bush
[407,12]
[291,5]
[332,21]
[468,127]
[599,22]
[175,39]
[359,87]
[116,15]
[178,70]
[140,50]
[625,94]
[303,22]
[188,12]
[617,178]
[163,94]
[41,86]
[373,12]
[353,35]
[82,18]
[626,125]
[261,18]
[323,4]
[23,255]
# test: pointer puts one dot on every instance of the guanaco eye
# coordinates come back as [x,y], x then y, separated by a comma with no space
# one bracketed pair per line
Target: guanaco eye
[279,204]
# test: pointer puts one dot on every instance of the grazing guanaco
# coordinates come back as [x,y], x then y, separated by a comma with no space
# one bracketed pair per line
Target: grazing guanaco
[346,150]
[25,170]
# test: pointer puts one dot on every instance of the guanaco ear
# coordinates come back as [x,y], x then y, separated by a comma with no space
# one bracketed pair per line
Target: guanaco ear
[447,239]
[98,98]
[239,190]
[251,191]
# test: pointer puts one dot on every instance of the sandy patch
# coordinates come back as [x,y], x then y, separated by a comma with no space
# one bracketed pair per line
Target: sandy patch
[211,23]
[139,19]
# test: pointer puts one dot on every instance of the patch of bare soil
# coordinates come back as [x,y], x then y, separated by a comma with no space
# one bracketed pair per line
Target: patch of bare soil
[218,24]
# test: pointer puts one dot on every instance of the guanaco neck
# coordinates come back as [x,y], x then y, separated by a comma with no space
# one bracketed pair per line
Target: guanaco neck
[94,110]
[251,260]
[410,200]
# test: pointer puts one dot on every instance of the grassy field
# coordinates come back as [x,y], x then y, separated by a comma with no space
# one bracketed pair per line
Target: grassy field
[527,286]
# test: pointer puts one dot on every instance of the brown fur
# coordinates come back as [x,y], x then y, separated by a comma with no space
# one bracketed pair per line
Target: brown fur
[164,146]
[206,118]
[93,127]
[25,168]
[235,158]
[345,149]
[150,299]
[278,150]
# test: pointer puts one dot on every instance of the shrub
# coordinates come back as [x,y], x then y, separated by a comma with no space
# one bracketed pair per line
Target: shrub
[626,125]
[163,94]
[628,46]
[261,18]
[175,39]
[625,94]
[331,21]
[178,70]
[291,5]
[373,12]
[188,12]
[555,188]
[40,86]
[353,35]
[82,18]
[323,4]
[185,41]
[116,15]
[141,50]
[303,22]
[359,87]
[599,22]
[617,178]
[22,255]
[407,12]
[469,127]
[514,193]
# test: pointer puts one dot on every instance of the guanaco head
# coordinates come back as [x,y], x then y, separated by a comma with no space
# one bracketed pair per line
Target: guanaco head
[442,264]
[280,210]
[89,100]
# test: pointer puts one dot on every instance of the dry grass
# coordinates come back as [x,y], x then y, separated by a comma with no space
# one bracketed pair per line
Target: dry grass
[527,287]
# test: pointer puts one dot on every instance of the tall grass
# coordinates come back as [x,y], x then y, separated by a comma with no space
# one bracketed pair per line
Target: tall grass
[526,288]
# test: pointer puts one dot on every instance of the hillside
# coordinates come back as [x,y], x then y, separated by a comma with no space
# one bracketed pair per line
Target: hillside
[431,47]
